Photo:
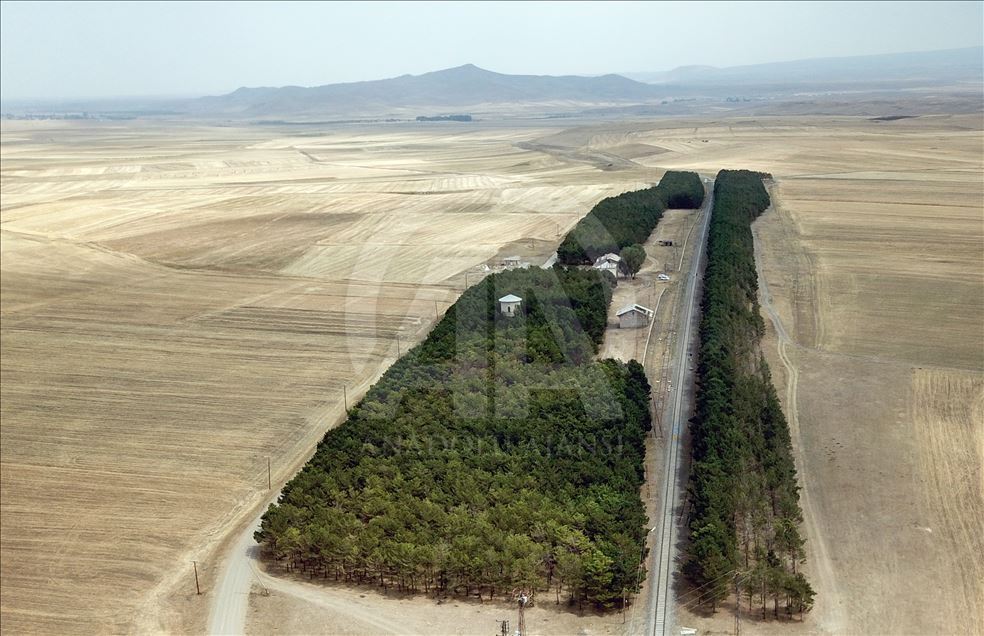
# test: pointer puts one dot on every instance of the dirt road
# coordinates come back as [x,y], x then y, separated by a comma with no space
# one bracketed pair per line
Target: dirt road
[228,614]
[242,572]
[836,619]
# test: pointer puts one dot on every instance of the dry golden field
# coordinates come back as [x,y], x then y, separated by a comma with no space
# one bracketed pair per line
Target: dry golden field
[178,304]
[181,303]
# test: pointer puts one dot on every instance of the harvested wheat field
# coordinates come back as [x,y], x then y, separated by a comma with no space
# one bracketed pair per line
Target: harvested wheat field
[180,304]
[872,267]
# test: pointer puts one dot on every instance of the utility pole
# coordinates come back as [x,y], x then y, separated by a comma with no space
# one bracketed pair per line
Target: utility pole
[269,475]
[198,590]
[437,312]
[658,411]
[523,599]
[345,397]
[398,354]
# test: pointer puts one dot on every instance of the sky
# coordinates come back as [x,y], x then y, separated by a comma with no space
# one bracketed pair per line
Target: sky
[54,50]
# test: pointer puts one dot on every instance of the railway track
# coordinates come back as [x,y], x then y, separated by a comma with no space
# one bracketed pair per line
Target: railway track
[678,406]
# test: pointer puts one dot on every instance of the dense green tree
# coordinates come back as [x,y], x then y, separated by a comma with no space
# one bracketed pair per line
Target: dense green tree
[743,491]
[633,257]
[496,454]
[629,218]
[709,565]
[598,576]
[681,190]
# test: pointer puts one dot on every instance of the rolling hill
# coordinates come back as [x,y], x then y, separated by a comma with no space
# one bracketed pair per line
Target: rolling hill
[923,68]
[459,88]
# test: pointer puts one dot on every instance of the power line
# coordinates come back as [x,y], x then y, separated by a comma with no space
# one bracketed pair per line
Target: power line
[711,582]
[699,599]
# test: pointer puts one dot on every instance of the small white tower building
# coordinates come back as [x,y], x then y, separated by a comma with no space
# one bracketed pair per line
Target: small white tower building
[509,305]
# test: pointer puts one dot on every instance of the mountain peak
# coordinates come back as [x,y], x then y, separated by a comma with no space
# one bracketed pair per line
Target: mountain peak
[464,69]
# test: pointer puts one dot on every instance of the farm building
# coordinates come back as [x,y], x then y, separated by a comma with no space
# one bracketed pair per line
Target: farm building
[509,262]
[608,262]
[634,316]
[509,305]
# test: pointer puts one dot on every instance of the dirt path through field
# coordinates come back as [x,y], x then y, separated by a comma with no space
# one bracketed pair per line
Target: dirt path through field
[887,452]
[829,611]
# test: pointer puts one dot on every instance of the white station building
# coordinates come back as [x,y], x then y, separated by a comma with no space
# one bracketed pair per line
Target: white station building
[634,316]
[608,262]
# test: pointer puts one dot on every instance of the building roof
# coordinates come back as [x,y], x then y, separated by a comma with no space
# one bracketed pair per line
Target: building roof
[639,308]
[510,299]
[615,258]
[510,258]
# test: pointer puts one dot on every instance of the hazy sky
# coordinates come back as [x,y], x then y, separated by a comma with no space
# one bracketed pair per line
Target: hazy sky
[52,49]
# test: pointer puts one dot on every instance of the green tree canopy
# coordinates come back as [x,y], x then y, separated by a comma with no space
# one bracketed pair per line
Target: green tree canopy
[496,454]
[633,258]
[743,490]
[629,218]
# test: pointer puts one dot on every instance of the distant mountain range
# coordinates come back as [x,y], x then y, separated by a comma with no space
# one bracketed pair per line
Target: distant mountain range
[952,65]
[471,90]
[468,88]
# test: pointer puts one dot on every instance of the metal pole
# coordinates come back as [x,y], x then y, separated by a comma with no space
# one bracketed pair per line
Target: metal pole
[345,397]
[198,589]
[521,629]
